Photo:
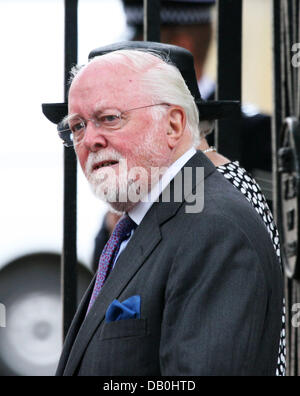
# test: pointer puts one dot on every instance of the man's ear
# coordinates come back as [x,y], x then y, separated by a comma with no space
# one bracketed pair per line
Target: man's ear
[176,126]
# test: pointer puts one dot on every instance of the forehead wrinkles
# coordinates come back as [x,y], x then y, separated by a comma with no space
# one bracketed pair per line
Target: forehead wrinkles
[105,84]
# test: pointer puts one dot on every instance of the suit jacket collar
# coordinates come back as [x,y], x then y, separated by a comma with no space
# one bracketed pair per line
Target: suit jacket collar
[145,238]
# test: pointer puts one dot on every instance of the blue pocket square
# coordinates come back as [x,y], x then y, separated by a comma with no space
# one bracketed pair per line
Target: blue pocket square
[128,309]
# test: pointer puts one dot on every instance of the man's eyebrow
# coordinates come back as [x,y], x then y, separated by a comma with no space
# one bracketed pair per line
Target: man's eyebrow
[101,105]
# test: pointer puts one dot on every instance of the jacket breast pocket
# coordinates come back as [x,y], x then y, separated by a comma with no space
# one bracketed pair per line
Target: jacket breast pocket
[124,328]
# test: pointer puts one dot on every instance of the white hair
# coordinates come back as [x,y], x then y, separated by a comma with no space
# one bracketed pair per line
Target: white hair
[162,80]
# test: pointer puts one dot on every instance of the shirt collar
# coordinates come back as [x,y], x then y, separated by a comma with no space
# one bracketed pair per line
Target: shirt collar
[139,211]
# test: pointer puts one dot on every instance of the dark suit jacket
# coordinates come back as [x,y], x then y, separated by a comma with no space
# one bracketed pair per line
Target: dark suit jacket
[211,294]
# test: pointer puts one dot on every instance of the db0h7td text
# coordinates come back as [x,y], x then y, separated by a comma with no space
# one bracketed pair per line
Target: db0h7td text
[171,385]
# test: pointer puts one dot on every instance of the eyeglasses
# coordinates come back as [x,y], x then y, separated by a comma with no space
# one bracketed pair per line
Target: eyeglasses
[72,129]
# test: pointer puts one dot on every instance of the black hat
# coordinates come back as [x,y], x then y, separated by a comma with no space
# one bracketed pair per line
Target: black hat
[172,12]
[178,56]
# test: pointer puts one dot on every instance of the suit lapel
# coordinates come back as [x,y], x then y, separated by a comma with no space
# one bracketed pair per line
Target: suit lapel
[144,240]
[146,237]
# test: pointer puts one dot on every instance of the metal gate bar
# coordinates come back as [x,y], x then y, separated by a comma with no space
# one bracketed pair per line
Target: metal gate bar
[229,73]
[277,101]
[69,256]
[276,126]
[286,107]
[152,20]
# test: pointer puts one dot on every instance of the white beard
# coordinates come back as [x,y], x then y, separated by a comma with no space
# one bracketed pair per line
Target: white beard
[122,189]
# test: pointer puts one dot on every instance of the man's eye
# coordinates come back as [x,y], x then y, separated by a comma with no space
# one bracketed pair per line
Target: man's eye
[109,119]
[77,127]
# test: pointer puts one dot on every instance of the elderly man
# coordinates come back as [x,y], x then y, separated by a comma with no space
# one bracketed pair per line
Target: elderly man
[188,283]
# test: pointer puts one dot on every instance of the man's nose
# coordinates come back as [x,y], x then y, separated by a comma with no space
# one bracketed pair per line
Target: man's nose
[93,138]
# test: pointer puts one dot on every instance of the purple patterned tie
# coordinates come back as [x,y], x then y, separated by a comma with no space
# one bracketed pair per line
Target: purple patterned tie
[120,233]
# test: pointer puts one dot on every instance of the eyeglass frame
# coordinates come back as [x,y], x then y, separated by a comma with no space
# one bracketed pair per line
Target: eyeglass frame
[65,134]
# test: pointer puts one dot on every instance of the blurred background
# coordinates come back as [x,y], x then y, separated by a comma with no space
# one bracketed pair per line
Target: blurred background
[31,161]
[257,54]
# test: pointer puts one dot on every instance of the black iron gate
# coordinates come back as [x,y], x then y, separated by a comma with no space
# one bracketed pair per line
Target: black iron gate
[286,170]
[285,138]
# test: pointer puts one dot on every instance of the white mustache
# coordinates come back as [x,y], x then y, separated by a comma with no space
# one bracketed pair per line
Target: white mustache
[97,157]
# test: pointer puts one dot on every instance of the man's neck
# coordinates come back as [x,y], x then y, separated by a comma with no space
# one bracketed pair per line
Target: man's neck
[138,212]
